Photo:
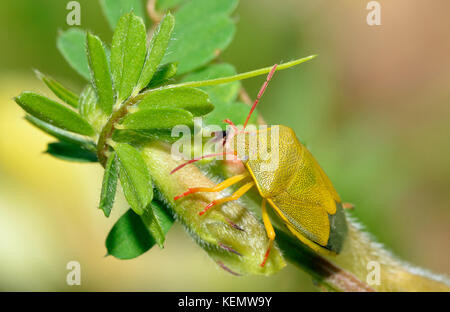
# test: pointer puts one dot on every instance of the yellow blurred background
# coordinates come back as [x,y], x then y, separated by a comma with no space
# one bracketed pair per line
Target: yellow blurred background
[374,108]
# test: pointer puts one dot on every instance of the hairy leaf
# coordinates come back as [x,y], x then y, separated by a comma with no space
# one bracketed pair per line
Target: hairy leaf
[71,152]
[87,101]
[101,74]
[161,118]
[109,185]
[130,236]
[59,90]
[114,9]
[72,45]
[60,134]
[193,100]
[134,177]
[158,222]
[143,136]
[157,50]
[128,54]
[202,30]
[163,74]
[53,113]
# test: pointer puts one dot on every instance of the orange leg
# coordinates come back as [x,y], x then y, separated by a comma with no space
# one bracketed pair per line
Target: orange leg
[241,191]
[270,231]
[219,187]
[348,206]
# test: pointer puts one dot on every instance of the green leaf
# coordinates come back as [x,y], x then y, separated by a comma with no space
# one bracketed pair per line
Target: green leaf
[203,29]
[101,74]
[71,152]
[134,177]
[193,100]
[157,50]
[162,5]
[59,90]
[72,45]
[87,101]
[158,222]
[109,185]
[219,94]
[200,43]
[223,96]
[114,9]
[143,136]
[198,9]
[60,134]
[235,111]
[130,237]
[53,113]
[128,54]
[161,118]
[163,74]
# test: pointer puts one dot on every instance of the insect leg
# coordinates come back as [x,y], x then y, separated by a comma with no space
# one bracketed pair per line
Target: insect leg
[349,206]
[269,230]
[200,158]
[241,191]
[219,187]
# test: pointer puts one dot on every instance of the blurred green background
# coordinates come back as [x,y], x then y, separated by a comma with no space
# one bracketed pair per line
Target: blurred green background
[374,108]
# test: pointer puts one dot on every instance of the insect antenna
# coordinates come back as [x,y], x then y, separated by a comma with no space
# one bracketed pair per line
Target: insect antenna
[260,93]
[228,121]
[200,158]
[258,98]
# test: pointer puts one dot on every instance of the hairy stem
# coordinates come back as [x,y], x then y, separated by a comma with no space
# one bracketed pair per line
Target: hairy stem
[361,262]
[250,237]
[108,128]
[364,257]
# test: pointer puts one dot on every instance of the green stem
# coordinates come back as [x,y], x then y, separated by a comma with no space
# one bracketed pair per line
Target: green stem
[243,76]
[222,80]
[251,240]
[322,271]
[108,128]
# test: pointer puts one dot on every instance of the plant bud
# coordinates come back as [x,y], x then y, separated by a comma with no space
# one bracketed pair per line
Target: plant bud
[230,234]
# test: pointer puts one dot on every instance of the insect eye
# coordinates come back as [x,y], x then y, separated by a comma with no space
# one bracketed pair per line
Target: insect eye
[224,135]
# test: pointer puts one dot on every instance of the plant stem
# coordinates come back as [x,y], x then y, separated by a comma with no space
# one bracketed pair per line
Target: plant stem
[321,270]
[222,80]
[108,128]
[242,76]
[160,163]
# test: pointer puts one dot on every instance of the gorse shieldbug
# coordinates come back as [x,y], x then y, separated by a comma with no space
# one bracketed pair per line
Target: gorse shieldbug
[290,180]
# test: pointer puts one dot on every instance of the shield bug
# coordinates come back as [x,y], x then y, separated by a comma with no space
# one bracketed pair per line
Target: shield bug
[290,180]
